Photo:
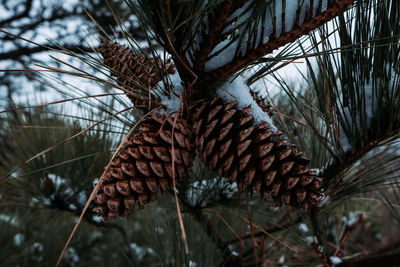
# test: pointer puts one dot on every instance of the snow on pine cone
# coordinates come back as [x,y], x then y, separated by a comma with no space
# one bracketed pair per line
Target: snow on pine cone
[136,73]
[252,155]
[144,166]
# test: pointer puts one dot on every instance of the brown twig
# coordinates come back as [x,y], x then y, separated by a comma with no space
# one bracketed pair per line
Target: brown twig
[253,239]
[239,62]
[178,209]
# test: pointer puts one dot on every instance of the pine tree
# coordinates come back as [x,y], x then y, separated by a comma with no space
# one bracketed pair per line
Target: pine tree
[195,124]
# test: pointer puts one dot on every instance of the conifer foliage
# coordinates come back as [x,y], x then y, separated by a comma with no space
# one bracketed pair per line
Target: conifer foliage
[209,168]
[276,167]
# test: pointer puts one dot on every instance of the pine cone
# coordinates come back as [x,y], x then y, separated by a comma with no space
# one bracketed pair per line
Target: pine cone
[137,73]
[144,166]
[253,155]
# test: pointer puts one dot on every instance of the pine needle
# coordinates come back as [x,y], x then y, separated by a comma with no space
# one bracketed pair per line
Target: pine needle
[174,189]
[97,187]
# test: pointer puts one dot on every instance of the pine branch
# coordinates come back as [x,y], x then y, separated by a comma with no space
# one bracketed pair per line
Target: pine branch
[250,56]
[222,15]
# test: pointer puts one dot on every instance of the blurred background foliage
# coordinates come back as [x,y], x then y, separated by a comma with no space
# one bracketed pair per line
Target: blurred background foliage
[343,112]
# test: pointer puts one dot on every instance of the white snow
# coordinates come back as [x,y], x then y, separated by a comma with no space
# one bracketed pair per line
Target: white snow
[19,238]
[303,227]
[220,58]
[97,219]
[237,90]
[172,101]
[9,219]
[335,260]
[71,256]
[141,252]
[352,217]
[310,239]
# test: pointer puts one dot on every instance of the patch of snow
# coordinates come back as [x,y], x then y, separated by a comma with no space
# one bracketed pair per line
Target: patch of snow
[71,256]
[141,252]
[19,239]
[310,239]
[82,198]
[95,181]
[237,90]
[352,217]
[9,219]
[37,248]
[324,200]
[97,219]
[221,55]
[335,260]
[159,230]
[303,227]
[95,235]
[172,101]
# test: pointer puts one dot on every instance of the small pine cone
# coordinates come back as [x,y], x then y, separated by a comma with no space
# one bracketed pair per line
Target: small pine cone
[144,166]
[137,73]
[252,155]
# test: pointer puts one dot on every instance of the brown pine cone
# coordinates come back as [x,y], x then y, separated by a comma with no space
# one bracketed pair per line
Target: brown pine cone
[135,72]
[253,155]
[144,166]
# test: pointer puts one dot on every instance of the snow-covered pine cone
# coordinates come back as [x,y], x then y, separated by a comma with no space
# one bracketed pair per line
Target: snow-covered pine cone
[144,166]
[136,73]
[252,155]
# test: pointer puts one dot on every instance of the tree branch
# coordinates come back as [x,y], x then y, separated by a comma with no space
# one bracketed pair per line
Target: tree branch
[240,62]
